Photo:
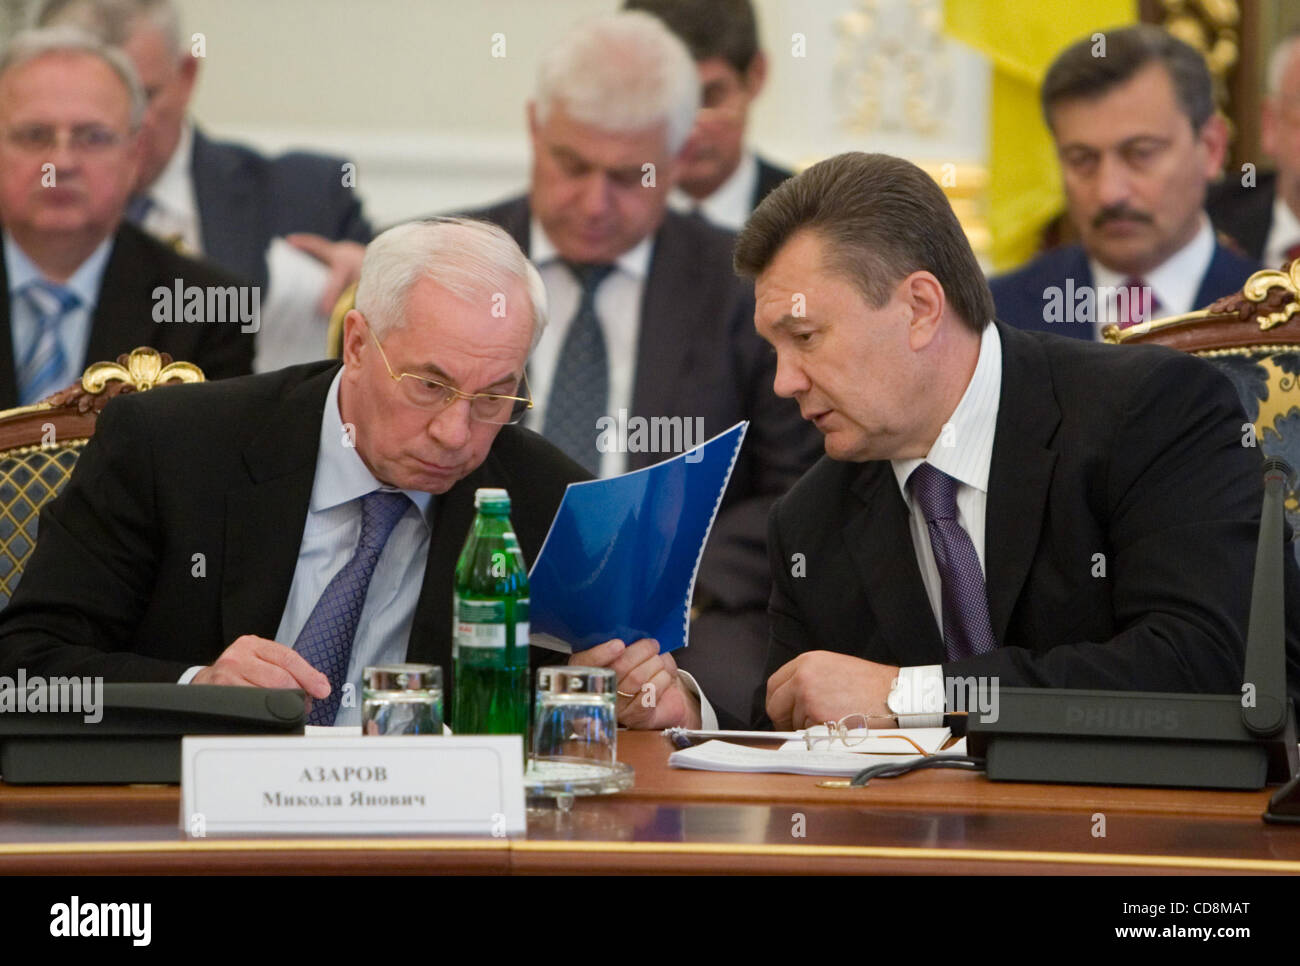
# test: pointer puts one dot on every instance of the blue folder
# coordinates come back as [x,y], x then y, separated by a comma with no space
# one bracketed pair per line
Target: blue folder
[621,556]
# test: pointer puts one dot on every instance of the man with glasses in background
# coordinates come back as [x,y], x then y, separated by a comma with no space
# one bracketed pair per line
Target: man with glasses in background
[216,533]
[79,282]
[651,323]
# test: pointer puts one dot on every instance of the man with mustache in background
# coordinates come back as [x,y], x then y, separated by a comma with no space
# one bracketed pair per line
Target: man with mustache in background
[1132,113]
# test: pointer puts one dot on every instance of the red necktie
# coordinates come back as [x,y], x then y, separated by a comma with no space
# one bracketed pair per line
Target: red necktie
[1137,311]
[1291,254]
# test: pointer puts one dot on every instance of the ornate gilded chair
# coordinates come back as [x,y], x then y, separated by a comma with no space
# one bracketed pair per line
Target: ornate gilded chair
[39,445]
[1254,337]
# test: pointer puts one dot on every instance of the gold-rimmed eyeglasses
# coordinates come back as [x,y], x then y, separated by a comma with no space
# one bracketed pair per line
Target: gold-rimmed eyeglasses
[852,730]
[434,396]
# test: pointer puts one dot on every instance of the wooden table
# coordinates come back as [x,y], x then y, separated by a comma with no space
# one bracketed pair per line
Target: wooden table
[689,821]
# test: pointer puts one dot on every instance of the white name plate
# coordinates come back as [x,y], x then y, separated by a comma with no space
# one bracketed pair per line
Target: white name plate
[468,785]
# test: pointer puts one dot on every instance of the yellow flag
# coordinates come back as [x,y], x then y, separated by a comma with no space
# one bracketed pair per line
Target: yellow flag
[1022,38]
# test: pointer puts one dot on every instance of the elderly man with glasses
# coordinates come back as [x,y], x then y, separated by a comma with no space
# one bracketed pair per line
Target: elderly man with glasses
[290,528]
[77,284]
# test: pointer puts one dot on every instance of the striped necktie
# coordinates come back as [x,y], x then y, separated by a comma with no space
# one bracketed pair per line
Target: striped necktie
[43,367]
[325,641]
[967,630]
[580,387]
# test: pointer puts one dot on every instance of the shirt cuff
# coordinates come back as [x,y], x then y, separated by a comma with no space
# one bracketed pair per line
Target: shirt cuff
[189,675]
[708,717]
[919,694]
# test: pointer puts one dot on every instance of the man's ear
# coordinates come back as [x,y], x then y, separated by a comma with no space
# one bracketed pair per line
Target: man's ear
[923,293]
[355,338]
[134,158]
[189,75]
[756,75]
[1214,138]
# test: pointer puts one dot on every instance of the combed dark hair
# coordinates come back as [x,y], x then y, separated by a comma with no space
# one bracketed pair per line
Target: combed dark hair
[1079,74]
[709,28]
[881,218]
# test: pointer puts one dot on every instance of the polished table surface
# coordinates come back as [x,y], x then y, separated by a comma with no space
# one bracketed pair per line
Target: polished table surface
[691,821]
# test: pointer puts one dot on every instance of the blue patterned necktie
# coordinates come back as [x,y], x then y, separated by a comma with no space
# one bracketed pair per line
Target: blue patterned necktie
[326,639]
[580,388]
[967,630]
[41,370]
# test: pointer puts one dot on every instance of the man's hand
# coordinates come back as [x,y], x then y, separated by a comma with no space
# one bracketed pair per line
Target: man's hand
[821,686]
[658,699]
[342,258]
[264,664]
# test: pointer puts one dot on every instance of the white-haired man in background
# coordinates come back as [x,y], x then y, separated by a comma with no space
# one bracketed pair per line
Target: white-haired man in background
[1261,212]
[231,523]
[651,322]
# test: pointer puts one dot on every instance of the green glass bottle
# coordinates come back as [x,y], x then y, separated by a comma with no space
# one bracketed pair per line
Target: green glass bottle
[490,686]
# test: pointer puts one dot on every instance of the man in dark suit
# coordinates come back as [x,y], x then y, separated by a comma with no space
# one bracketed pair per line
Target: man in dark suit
[204,527]
[1012,507]
[78,286]
[1258,211]
[1138,141]
[673,322]
[719,177]
[223,200]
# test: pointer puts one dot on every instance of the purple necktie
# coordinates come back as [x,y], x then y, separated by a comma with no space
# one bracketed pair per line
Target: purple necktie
[967,630]
[326,639]
[1138,312]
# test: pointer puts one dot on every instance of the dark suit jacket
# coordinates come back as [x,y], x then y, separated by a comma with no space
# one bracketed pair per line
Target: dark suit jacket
[769,176]
[1133,453]
[226,470]
[123,317]
[698,355]
[1244,214]
[246,199]
[1020,298]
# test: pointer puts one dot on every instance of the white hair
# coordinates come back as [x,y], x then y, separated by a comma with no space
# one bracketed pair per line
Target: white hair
[474,260]
[29,45]
[114,21]
[622,72]
[1279,60]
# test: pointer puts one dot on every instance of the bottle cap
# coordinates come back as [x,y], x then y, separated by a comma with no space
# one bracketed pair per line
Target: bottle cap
[488,496]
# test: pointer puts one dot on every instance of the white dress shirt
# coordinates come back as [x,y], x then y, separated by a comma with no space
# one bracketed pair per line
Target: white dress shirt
[731,203]
[1284,232]
[329,541]
[618,307]
[1174,282]
[174,209]
[964,450]
[74,330]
